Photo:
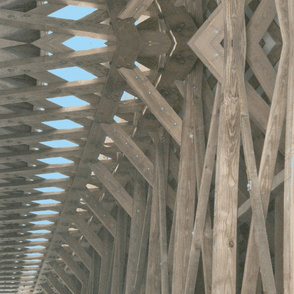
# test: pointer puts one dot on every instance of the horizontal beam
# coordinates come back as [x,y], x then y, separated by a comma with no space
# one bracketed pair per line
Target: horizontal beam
[38,64]
[30,94]
[40,22]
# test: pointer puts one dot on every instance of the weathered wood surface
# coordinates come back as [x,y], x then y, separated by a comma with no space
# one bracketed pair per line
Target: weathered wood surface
[152,197]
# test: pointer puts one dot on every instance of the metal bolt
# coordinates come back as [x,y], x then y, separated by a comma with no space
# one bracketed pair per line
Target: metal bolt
[249,186]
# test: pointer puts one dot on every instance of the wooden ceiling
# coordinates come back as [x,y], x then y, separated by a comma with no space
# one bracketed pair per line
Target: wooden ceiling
[153,193]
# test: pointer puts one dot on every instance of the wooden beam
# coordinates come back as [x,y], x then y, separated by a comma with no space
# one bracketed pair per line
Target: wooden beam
[113,186]
[134,9]
[118,269]
[89,3]
[159,194]
[74,267]
[47,288]
[35,137]
[78,249]
[153,99]
[244,210]
[130,149]
[185,199]
[35,21]
[136,230]
[269,154]
[153,274]
[38,116]
[106,263]
[99,211]
[35,93]
[87,232]
[57,285]
[68,281]
[141,263]
[227,169]
[38,64]
[288,248]
[203,197]
[248,147]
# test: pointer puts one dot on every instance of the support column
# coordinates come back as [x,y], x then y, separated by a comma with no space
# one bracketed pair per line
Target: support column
[289,166]
[227,169]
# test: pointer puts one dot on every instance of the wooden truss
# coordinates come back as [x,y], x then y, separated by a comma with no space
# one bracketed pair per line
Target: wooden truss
[186,187]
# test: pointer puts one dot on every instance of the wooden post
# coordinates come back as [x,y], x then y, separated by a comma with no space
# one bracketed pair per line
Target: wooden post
[185,199]
[227,170]
[289,166]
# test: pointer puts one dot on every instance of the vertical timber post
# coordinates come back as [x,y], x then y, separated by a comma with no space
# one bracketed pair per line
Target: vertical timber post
[227,170]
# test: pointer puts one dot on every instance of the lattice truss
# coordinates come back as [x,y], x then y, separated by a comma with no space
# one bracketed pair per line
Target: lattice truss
[150,194]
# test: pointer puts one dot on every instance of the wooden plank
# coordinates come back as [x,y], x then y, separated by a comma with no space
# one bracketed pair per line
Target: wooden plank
[38,116]
[244,210]
[89,3]
[136,230]
[95,272]
[156,103]
[117,280]
[227,169]
[113,186]
[130,149]
[38,64]
[185,200]
[288,248]
[106,263]
[256,28]
[47,288]
[153,274]
[43,153]
[35,93]
[87,232]
[75,268]
[206,44]
[34,21]
[78,249]
[57,285]
[159,194]
[203,197]
[30,138]
[269,155]
[99,211]
[194,81]
[68,281]
[134,9]
[248,147]
[279,243]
